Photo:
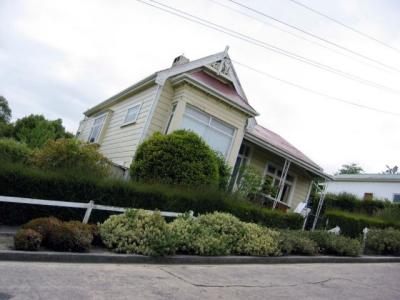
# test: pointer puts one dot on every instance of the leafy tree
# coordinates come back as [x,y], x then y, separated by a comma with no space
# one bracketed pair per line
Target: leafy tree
[389,170]
[35,130]
[250,181]
[5,111]
[352,168]
[71,155]
[5,116]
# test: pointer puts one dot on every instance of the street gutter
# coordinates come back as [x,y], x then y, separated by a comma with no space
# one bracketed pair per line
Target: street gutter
[106,257]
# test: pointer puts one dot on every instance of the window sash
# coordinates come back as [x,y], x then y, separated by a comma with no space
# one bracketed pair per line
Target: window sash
[96,129]
[132,114]
[215,132]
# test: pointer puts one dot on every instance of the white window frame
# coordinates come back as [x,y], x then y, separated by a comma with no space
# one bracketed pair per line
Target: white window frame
[139,105]
[208,124]
[277,177]
[105,115]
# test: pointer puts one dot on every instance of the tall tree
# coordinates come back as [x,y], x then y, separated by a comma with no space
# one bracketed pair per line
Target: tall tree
[35,130]
[5,110]
[351,168]
[6,127]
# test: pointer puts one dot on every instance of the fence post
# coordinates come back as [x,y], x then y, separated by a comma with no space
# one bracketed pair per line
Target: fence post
[365,234]
[88,212]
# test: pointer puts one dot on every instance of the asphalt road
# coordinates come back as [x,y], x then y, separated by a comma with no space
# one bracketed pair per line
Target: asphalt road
[108,281]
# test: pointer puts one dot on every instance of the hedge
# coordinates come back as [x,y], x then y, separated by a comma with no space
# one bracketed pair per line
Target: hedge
[349,203]
[21,181]
[353,224]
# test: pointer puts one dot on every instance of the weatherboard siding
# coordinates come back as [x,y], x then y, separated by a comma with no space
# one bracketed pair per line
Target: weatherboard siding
[118,143]
[162,110]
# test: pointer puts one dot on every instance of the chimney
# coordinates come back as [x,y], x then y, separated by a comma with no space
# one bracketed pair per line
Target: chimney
[180,60]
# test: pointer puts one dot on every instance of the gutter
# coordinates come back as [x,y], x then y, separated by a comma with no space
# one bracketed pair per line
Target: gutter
[284,154]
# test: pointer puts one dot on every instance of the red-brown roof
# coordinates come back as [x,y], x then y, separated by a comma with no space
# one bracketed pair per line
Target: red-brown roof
[279,142]
[225,89]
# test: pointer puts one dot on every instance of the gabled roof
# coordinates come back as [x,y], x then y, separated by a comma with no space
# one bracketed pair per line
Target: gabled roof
[368,177]
[275,143]
[161,76]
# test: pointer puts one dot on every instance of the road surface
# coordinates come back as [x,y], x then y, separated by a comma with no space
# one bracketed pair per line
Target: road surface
[20,280]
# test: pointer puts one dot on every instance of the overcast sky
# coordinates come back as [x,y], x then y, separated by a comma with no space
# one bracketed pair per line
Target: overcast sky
[59,58]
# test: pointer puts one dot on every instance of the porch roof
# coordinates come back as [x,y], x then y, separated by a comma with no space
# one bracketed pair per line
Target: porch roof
[273,142]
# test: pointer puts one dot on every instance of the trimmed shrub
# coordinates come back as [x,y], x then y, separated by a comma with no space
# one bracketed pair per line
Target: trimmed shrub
[71,154]
[139,232]
[297,243]
[329,243]
[383,242]
[216,234]
[20,181]
[223,234]
[43,226]
[181,157]
[72,236]
[353,224]
[13,151]
[258,241]
[390,213]
[28,240]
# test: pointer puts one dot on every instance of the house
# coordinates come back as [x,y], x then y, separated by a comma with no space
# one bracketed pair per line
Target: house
[367,186]
[205,96]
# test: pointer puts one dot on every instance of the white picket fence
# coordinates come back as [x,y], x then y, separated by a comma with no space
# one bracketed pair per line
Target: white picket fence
[88,206]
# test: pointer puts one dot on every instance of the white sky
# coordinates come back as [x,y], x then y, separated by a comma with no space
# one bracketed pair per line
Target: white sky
[59,58]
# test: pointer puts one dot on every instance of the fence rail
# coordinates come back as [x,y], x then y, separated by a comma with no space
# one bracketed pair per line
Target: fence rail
[88,206]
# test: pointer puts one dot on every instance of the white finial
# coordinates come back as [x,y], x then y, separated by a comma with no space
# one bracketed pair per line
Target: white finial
[226,50]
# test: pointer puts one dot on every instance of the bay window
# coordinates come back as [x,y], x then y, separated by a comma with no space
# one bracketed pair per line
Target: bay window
[217,134]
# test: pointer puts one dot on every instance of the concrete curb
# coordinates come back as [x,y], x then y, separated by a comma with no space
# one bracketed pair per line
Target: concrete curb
[67,257]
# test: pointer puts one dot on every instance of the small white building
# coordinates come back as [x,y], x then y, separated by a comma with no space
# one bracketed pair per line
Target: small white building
[367,186]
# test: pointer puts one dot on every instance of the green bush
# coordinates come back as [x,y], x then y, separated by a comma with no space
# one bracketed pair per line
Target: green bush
[181,157]
[383,242]
[43,226]
[222,234]
[331,244]
[70,236]
[138,231]
[13,151]
[390,213]
[20,181]
[258,241]
[295,242]
[353,224]
[224,171]
[28,240]
[72,155]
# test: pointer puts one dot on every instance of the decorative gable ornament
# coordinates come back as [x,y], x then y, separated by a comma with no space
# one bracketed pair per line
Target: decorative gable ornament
[222,66]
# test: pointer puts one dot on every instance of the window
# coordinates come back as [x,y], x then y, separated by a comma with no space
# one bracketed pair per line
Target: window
[368,196]
[241,161]
[396,198]
[132,114]
[170,118]
[216,133]
[271,183]
[96,129]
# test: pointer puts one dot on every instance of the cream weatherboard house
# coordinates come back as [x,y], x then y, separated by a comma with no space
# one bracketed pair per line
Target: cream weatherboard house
[206,97]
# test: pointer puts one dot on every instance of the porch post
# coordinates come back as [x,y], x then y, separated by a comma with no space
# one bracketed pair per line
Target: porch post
[320,204]
[282,181]
[307,201]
